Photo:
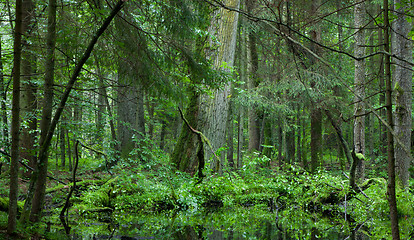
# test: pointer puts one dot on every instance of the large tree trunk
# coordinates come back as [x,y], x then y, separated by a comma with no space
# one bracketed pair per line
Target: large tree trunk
[359,81]
[184,156]
[14,163]
[214,110]
[402,79]
[130,100]
[392,199]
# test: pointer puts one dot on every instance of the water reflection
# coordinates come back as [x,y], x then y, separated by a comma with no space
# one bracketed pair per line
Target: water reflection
[223,225]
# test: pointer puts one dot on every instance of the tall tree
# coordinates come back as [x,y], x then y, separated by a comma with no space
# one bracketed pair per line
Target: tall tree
[28,93]
[359,82]
[402,49]
[392,199]
[131,75]
[15,127]
[214,110]
[316,112]
[38,180]
[252,66]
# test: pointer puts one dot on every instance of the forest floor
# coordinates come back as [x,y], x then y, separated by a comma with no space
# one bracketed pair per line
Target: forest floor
[154,190]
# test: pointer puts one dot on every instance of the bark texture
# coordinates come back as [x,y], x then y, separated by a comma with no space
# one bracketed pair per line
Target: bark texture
[392,199]
[402,79]
[359,82]
[14,162]
[214,109]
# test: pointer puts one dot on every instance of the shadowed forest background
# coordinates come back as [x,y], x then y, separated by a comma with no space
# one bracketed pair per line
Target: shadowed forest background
[206,119]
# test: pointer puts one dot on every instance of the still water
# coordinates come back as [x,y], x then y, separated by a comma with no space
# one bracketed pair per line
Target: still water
[224,225]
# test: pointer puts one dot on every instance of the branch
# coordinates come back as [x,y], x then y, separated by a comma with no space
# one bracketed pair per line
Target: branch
[30,168]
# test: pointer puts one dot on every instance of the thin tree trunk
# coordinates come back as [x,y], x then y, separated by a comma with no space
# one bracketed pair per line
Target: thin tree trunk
[359,81]
[14,162]
[62,145]
[3,97]
[392,200]
[28,94]
[69,150]
[252,66]
[316,113]
[402,80]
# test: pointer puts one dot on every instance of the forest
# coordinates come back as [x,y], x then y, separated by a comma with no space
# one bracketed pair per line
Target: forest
[206,119]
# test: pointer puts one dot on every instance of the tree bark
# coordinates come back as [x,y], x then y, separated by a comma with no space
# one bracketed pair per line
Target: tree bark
[131,75]
[402,80]
[392,200]
[316,113]
[28,94]
[214,110]
[14,162]
[252,66]
[359,81]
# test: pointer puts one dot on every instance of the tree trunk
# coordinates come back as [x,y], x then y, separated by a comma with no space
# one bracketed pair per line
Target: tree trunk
[14,162]
[62,145]
[252,66]
[402,79]
[28,94]
[359,81]
[392,200]
[38,180]
[184,156]
[130,100]
[3,98]
[214,110]
[230,133]
[316,113]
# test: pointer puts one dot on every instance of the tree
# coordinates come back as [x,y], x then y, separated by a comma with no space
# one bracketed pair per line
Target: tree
[316,112]
[252,66]
[214,109]
[15,126]
[402,79]
[28,93]
[131,74]
[392,199]
[359,79]
[38,180]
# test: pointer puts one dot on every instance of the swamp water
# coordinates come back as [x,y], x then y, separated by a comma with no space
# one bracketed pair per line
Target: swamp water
[227,225]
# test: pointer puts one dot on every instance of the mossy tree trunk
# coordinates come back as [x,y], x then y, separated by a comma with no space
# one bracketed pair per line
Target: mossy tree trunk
[184,156]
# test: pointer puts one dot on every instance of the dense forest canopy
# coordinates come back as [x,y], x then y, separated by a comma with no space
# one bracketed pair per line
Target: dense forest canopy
[203,90]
